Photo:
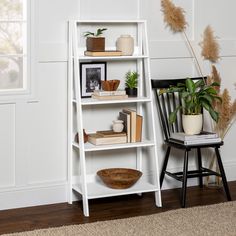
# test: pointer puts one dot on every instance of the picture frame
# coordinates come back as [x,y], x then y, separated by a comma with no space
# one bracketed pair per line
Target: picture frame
[91,75]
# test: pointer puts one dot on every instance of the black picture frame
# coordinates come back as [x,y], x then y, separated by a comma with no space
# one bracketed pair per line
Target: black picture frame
[91,75]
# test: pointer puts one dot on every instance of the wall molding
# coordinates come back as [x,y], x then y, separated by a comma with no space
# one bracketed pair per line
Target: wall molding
[33,196]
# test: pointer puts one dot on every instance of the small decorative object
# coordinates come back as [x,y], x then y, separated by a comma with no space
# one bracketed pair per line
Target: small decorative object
[110,85]
[85,137]
[91,75]
[119,178]
[131,82]
[125,43]
[118,126]
[195,97]
[94,41]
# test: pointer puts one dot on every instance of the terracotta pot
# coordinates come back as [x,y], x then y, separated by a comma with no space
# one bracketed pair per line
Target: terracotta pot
[192,124]
[95,44]
[85,137]
[131,92]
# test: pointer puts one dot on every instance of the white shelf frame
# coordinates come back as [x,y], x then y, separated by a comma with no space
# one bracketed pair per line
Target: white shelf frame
[92,190]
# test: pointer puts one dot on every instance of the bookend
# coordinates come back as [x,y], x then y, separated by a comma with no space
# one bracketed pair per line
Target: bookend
[165,103]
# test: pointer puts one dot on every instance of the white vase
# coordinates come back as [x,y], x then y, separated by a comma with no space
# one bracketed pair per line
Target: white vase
[118,126]
[192,124]
[125,44]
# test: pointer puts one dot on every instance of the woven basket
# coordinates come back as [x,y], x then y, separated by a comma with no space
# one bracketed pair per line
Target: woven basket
[119,178]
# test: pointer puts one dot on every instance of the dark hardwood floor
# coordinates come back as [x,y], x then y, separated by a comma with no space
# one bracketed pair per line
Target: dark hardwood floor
[105,209]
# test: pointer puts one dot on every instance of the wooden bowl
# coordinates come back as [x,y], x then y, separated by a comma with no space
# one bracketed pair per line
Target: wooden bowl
[110,85]
[119,178]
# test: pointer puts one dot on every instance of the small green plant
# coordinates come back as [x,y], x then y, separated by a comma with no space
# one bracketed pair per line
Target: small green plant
[195,97]
[131,79]
[97,34]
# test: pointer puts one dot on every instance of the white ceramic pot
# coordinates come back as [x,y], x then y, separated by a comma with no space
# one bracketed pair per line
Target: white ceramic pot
[118,126]
[192,124]
[125,44]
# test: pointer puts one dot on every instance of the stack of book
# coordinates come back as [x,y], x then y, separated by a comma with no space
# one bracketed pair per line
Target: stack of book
[109,95]
[203,138]
[132,125]
[107,137]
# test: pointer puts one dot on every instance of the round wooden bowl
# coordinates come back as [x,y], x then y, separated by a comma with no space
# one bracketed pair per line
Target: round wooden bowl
[110,85]
[119,178]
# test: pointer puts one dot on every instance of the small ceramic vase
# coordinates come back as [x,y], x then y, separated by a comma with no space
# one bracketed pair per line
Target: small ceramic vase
[192,124]
[125,44]
[118,126]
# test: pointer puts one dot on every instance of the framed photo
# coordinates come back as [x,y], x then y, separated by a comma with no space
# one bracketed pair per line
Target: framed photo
[91,74]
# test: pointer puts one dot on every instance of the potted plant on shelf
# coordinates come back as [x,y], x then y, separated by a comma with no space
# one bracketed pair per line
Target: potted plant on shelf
[131,82]
[94,41]
[195,96]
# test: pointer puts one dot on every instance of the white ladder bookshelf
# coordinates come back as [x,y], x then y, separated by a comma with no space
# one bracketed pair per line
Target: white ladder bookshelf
[92,188]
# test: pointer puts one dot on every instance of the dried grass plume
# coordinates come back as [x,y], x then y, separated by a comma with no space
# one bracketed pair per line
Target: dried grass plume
[173,16]
[210,46]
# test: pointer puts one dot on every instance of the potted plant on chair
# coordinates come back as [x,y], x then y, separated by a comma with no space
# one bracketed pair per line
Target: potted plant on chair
[94,41]
[194,96]
[131,82]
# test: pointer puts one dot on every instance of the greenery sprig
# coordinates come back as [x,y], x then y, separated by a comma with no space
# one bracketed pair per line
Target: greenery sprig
[131,79]
[98,33]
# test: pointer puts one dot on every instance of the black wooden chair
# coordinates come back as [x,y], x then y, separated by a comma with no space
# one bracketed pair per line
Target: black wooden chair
[166,103]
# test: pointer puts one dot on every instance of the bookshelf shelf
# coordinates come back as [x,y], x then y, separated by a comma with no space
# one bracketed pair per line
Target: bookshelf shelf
[88,147]
[107,58]
[80,154]
[91,101]
[99,190]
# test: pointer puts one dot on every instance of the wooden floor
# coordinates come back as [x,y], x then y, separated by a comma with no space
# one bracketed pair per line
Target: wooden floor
[105,209]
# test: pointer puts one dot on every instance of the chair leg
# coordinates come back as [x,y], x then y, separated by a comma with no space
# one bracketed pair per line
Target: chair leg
[199,157]
[223,176]
[185,175]
[164,165]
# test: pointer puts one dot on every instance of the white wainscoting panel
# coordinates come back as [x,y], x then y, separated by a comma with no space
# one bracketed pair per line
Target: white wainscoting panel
[7,145]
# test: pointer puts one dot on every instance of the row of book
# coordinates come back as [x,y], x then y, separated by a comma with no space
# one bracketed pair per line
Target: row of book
[132,130]
[204,137]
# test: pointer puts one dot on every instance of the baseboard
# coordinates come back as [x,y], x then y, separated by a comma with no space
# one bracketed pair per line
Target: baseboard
[33,196]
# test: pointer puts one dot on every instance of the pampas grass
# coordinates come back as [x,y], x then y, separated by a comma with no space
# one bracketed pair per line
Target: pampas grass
[173,16]
[210,46]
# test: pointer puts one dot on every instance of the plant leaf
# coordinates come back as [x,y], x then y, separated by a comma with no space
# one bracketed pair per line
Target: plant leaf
[190,85]
[173,115]
[214,115]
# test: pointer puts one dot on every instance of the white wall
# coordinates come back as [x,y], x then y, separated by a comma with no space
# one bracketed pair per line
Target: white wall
[33,161]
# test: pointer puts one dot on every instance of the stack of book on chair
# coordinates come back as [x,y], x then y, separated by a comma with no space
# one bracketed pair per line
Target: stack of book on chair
[132,125]
[109,95]
[107,137]
[204,137]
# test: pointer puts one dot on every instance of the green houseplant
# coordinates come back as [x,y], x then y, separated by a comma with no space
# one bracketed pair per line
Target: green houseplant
[94,41]
[194,96]
[131,82]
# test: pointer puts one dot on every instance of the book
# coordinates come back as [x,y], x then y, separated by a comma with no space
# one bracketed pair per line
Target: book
[109,93]
[196,141]
[103,53]
[111,97]
[98,139]
[185,137]
[110,133]
[132,123]
[126,118]
[139,124]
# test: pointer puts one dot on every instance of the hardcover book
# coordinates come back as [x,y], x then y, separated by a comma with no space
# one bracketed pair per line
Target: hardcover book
[109,53]
[133,115]
[110,97]
[139,124]
[98,139]
[126,118]
[185,137]
[109,93]
[197,141]
[110,133]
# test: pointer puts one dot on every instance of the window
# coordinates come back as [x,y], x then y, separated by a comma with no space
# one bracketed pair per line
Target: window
[13,45]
